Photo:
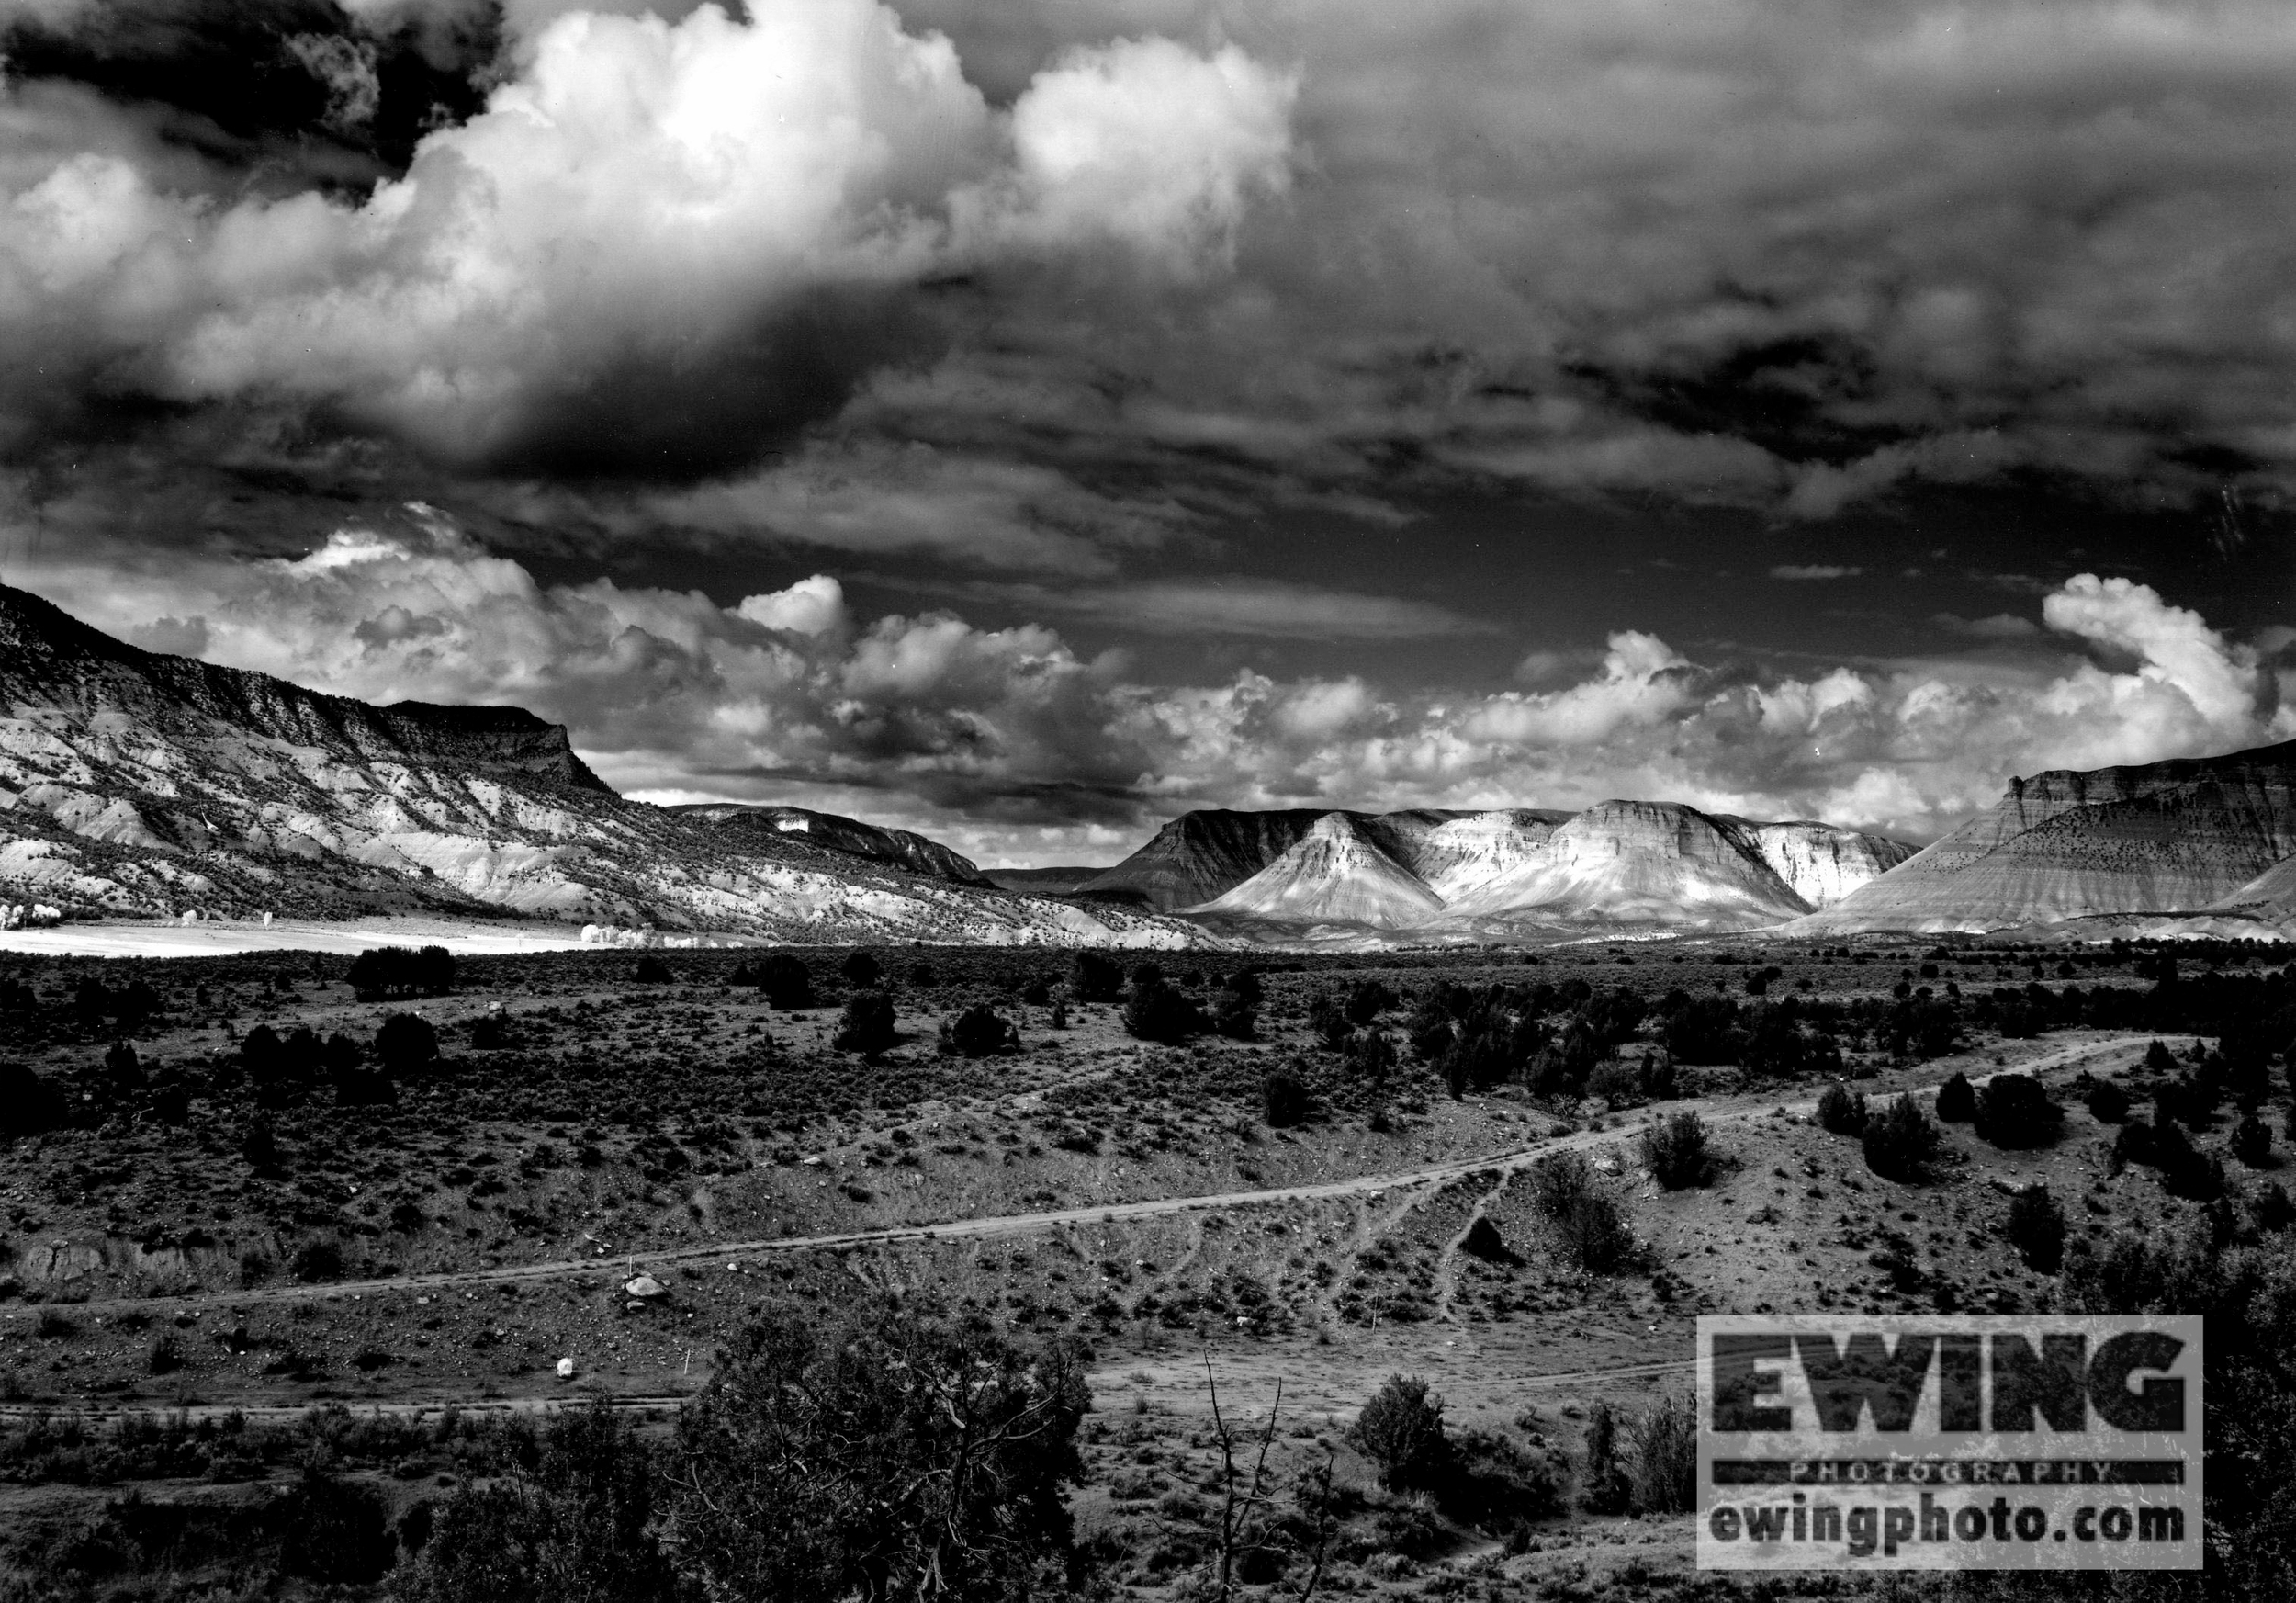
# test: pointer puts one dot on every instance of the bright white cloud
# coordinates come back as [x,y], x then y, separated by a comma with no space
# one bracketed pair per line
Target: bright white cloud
[1009,741]
[677,242]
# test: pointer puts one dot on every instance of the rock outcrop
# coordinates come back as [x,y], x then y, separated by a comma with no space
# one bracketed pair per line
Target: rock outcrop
[138,785]
[903,848]
[2192,835]
[1621,865]
[1335,873]
[1633,863]
[1200,855]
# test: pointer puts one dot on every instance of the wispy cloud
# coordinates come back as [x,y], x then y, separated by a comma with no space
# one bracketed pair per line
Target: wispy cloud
[1814,570]
[1260,608]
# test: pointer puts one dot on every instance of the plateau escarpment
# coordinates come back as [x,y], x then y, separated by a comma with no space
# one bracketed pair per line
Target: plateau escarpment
[140,784]
[2188,836]
[1510,872]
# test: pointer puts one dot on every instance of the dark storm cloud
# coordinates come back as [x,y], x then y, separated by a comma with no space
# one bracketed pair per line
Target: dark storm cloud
[254,80]
[1129,316]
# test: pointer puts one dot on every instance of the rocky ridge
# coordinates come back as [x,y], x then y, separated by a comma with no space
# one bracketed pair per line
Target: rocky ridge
[2191,836]
[1514,871]
[138,785]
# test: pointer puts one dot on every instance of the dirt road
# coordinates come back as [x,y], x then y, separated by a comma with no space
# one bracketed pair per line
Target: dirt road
[1713,1110]
[1719,1111]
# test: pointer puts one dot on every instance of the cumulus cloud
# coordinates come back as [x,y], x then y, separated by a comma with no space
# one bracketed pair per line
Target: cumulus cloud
[1011,742]
[661,249]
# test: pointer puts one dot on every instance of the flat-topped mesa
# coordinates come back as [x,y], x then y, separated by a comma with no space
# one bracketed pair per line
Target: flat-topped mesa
[1638,862]
[49,659]
[137,783]
[2183,836]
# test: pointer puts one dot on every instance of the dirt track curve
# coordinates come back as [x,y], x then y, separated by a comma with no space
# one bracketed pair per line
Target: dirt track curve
[1713,1110]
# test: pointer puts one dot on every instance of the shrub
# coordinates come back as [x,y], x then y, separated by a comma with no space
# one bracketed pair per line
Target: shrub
[335,1530]
[2014,1111]
[1675,1149]
[1661,1457]
[1400,1430]
[1096,978]
[786,983]
[406,1046]
[866,1026]
[29,1104]
[2273,1210]
[1246,984]
[1154,1012]
[393,971]
[1037,994]
[1366,1000]
[171,1101]
[2252,1141]
[1616,1081]
[1899,1141]
[2134,1143]
[259,1145]
[1842,1110]
[2108,1103]
[122,1068]
[2035,1226]
[1233,1017]
[1592,1236]
[861,970]
[1956,1099]
[1557,1183]
[979,1031]
[1498,1483]
[1284,1099]
[1369,1060]
[2158,1059]
[316,1260]
[1603,1486]
[890,1452]
[1657,1075]
[652,971]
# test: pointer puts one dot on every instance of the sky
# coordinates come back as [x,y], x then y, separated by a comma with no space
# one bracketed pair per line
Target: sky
[1025,420]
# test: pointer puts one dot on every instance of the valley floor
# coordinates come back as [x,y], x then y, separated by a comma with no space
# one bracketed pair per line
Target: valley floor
[430,1262]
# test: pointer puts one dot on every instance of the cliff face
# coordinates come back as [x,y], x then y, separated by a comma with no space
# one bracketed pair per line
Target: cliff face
[1201,855]
[50,661]
[1628,864]
[1821,863]
[2173,837]
[1640,862]
[137,783]
[1335,873]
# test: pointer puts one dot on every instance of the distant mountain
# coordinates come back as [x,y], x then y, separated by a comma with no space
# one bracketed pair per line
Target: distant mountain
[1336,872]
[2193,835]
[1199,855]
[1512,870]
[901,847]
[135,783]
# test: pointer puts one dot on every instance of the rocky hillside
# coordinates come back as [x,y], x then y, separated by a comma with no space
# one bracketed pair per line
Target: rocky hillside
[138,785]
[902,847]
[1199,855]
[1521,871]
[2197,835]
